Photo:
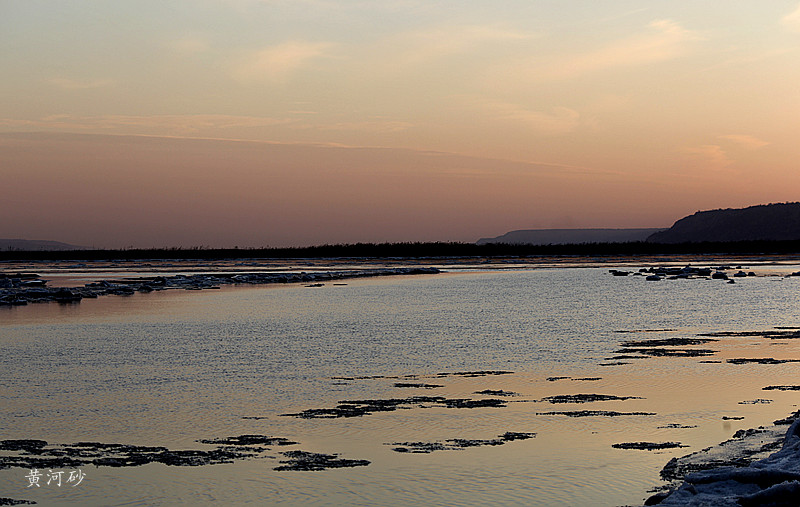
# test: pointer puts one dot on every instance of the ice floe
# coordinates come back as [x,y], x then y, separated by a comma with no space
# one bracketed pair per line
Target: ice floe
[773,480]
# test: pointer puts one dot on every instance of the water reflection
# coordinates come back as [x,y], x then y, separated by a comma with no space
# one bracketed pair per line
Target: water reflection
[170,368]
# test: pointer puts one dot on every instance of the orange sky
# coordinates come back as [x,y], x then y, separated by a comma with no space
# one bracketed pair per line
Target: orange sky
[272,123]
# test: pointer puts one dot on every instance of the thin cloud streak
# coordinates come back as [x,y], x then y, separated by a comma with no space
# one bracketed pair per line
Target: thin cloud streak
[746,141]
[74,84]
[375,126]
[210,126]
[666,40]
[559,120]
[792,20]
[417,47]
[278,63]
[175,123]
[710,157]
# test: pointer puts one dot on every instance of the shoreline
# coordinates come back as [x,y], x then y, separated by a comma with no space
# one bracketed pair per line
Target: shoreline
[735,472]
[21,283]
[440,249]
[19,289]
[402,260]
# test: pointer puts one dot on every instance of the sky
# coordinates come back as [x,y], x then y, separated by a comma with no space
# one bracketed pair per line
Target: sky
[250,123]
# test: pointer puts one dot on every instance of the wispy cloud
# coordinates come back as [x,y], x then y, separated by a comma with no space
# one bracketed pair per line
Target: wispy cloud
[792,20]
[709,157]
[74,84]
[657,42]
[442,41]
[663,40]
[370,126]
[715,157]
[746,141]
[278,63]
[558,120]
[172,124]
[194,124]
[555,120]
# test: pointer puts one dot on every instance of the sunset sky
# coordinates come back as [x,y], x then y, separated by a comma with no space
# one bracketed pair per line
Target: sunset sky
[286,123]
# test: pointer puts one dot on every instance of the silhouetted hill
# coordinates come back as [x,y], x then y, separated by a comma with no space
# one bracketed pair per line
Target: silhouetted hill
[570,236]
[765,222]
[36,245]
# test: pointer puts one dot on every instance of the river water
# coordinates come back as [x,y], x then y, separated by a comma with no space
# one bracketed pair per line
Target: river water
[174,367]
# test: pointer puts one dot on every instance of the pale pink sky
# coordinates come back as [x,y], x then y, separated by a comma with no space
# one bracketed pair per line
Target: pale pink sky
[276,123]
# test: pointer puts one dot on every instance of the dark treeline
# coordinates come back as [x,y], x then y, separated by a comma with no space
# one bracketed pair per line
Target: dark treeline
[418,250]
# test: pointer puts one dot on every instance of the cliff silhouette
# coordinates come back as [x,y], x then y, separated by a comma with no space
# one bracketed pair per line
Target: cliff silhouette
[570,236]
[765,222]
[36,244]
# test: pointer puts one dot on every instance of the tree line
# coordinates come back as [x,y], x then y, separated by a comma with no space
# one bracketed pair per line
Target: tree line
[416,250]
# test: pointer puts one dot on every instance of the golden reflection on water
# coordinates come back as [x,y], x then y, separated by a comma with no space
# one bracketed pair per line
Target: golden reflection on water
[570,461]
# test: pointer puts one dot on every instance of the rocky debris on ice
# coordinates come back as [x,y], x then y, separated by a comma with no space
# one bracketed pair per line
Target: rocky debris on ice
[30,453]
[22,288]
[648,446]
[458,444]
[773,480]
[587,398]
[359,408]
[593,413]
[675,273]
[314,461]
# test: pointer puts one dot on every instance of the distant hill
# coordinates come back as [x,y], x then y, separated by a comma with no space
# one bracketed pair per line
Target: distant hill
[765,222]
[36,245]
[570,236]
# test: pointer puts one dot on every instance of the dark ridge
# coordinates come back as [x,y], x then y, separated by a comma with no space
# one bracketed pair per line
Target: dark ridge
[457,444]
[496,392]
[761,360]
[765,222]
[248,440]
[12,501]
[663,352]
[359,408]
[36,244]
[480,373]
[571,236]
[418,385]
[312,461]
[648,446]
[667,342]
[39,454]
[586,398]
[419,250]
[781,334]
[644,330]
[593,413]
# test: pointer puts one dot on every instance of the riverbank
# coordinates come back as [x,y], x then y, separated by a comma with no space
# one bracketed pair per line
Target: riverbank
[19,289]
[735,473]
[422,250]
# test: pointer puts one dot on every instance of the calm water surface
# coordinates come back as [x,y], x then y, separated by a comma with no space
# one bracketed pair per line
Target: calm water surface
[173,367]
